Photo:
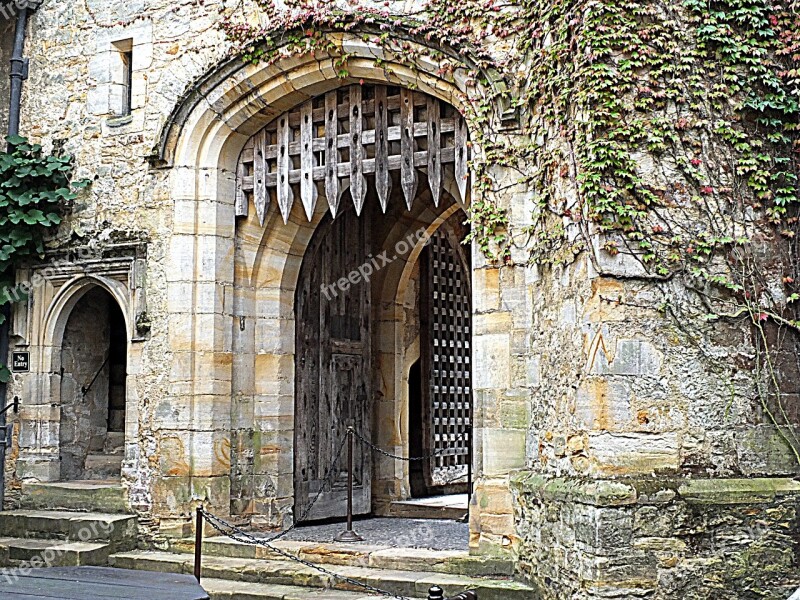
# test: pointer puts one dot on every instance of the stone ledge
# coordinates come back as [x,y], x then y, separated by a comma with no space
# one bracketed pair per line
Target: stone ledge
[737,491]
[605,492]
[599,492]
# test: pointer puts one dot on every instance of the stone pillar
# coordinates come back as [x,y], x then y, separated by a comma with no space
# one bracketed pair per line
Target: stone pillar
[192,423]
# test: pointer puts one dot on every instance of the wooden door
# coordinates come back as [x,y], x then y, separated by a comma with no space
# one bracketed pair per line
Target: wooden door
[332,371]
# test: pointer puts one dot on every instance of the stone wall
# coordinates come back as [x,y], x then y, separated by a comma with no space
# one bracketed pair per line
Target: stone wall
[577,372]
[631,389]
[658,538]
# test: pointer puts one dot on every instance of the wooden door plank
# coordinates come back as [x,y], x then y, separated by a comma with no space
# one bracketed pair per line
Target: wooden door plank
[461,157]
[382,179]
[331,151]
[308,189]
[434,150]
[408,173]
[260,176]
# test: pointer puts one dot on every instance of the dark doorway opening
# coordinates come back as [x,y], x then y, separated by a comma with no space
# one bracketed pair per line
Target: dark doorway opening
[93,378]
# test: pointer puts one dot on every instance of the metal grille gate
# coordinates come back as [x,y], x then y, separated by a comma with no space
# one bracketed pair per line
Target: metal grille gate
[449,391]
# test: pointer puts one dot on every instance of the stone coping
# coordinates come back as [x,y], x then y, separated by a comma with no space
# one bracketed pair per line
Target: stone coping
[621,492]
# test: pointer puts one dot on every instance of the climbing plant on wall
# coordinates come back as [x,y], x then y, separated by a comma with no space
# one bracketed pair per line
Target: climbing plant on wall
[663,136]
[35,189]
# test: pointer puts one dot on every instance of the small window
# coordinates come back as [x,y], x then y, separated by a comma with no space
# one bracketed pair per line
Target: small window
[127,76]
[122,94]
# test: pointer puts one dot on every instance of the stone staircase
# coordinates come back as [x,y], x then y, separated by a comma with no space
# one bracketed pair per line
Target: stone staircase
[63,538]
[107,462]
[238,571]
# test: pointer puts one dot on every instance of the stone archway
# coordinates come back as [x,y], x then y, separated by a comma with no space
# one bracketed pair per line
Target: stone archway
[69,348]
[241,275]
[93,389]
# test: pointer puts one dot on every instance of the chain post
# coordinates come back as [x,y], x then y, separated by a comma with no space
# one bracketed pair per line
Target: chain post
[348,535]
[198,544]
[436,593]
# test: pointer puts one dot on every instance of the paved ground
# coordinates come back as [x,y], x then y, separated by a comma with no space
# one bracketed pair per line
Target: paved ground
[94,583]
[436,534]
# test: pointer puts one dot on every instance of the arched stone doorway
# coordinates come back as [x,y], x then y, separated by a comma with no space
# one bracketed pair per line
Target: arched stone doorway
[232,337]
[336,295]
[359,333]
[92,389]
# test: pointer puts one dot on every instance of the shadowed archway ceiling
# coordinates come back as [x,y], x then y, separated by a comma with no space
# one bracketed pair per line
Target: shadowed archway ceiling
[350,139]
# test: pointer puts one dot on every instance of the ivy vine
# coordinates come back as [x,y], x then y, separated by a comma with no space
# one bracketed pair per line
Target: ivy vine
[668,131]
[35,189]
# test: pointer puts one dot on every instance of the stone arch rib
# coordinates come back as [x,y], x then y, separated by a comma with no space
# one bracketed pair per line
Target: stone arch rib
[216,92]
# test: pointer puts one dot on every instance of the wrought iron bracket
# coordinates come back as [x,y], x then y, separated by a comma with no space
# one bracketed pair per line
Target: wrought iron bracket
[14,406]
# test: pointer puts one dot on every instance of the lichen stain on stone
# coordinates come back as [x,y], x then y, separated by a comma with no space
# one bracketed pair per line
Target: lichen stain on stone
[173,456]
[222,452]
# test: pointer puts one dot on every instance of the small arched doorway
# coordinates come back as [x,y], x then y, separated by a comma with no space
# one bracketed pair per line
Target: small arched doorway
[93,378]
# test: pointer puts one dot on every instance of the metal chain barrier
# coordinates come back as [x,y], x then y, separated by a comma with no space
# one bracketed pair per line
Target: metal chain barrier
[231,531]
[237,534]
[460,438]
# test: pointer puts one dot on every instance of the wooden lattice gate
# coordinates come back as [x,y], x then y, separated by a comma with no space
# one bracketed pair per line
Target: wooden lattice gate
[447,393]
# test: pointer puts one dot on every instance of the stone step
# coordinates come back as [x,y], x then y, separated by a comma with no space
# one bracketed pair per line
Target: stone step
[118,530]
[222,589]
[115,442]
[455,562]
[403,583]
[103,466]
[453,506]
[16,552]
[87,496]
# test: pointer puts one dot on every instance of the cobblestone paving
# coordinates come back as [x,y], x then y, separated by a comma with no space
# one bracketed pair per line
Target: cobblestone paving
[436,534]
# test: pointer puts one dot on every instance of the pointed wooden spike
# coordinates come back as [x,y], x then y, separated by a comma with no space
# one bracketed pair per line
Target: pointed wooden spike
[285,195]
[331,151]
[434,150]
[308,190]
[382,179]
[260,196]
[358,185]
[242,207]
[462,156]
[408,174]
